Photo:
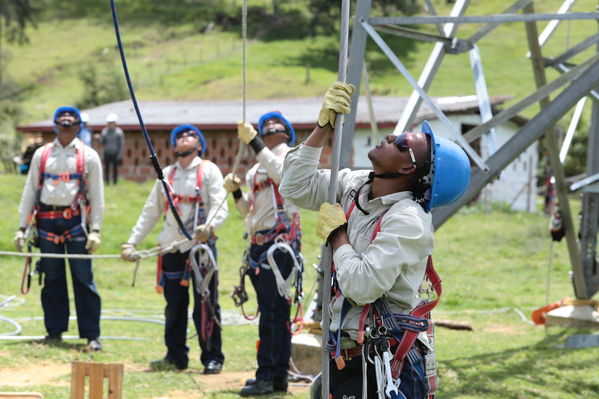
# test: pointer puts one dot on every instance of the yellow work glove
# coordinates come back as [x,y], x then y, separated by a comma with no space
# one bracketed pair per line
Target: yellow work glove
[337,100]
[129,253]
[330,218]
[202,232]
[93,242]
[232,183]
[246,132]
[19,240]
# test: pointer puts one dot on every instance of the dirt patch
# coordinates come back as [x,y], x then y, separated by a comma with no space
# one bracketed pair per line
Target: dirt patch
[224,381]
[53,374]
[35,374]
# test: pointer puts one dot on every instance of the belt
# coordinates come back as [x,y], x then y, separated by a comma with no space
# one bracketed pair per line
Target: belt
[66,213]
[261,239]
[47,207]
[356,351]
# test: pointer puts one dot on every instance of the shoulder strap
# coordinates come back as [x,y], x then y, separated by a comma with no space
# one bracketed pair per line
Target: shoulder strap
[47,150]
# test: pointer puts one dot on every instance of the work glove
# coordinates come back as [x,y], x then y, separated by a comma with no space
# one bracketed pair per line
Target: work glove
[202,232]
[129,253]
[19,240]
[246,132]
[337,99]
[93,242]
[232,183]
[330,218]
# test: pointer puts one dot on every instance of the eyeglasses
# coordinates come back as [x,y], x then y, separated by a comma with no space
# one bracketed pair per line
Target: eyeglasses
[185,133]
[401,142]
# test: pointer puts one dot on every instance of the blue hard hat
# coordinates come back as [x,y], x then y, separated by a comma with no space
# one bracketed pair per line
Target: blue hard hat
[450,171]
[182,128]
[277,115]
[63,110]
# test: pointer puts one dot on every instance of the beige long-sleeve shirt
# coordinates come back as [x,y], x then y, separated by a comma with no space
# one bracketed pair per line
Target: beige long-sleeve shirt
[259,208]
[63,159]
[184,183]
[393,265]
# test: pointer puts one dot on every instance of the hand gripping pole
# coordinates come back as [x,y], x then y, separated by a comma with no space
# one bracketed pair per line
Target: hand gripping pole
[332,198]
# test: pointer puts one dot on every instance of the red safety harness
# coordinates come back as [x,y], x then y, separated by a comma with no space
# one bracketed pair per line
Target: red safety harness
[66,213]
[285,231]
[74,208]
[208,304]
[418,317]
[177,199]
[282,228]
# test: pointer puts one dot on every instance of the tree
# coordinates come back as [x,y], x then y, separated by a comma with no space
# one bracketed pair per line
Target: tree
[15,16]
[325,11]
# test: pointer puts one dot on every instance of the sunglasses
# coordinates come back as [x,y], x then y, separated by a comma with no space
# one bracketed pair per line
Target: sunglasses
[185,133]
[401,142]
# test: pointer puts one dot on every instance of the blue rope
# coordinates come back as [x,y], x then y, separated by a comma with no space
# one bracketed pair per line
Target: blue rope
[152,156]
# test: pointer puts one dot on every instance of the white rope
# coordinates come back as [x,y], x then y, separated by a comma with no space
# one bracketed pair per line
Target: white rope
[241,149]
[60,256]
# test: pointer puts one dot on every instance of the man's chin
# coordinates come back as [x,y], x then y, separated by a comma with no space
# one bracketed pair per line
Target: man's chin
[370,154]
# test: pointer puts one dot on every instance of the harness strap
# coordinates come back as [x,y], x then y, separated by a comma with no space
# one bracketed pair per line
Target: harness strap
[64,177]
[411,324]
[67,214]
[423,309]
[61,238]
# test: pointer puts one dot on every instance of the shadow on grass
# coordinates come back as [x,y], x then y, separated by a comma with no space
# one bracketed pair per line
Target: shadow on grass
[542,370]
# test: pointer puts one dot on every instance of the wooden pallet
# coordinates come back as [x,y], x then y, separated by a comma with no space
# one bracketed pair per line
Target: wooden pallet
[96,372]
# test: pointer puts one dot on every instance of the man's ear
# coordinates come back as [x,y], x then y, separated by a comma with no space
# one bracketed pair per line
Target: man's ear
[407,168]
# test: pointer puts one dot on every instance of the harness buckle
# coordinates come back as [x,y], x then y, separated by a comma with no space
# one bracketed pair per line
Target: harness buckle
[64,176]
[67,213]
[58,239]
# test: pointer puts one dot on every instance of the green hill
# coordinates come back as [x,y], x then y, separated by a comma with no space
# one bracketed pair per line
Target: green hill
[180,62]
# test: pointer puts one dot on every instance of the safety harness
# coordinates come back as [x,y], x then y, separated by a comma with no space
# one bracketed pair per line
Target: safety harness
[286,237]
[389,330]
[77,207]
[203,272]
[198,216]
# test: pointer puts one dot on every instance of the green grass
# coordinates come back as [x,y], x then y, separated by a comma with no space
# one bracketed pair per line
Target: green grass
[178,62]
[491,264]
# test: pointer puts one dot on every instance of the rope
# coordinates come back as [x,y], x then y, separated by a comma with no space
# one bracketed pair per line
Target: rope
[152,157]
[241,149]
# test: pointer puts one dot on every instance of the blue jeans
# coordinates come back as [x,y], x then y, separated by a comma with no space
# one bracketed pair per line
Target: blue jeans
[274,350]
[55,297]
[348,382]
[177,302]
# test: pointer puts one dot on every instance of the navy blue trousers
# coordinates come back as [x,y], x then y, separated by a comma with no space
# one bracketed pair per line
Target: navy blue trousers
[177,302]
[274,350]
[55,296]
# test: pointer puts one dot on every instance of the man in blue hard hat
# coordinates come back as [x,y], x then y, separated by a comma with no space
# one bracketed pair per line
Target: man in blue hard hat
[270,220]
[64,198]
[381,234]
[198,195]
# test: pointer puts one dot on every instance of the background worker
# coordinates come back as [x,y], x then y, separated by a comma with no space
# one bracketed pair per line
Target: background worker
[113,139]
[268,218]
[198,194]
[85,134]
[381,234]
[65,176]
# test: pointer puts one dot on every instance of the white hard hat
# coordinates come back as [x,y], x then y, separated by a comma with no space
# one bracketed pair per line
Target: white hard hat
[84,117]
[112,117]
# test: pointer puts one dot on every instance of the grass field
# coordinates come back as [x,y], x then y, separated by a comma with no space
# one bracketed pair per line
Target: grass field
[492,264]
[178,62]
